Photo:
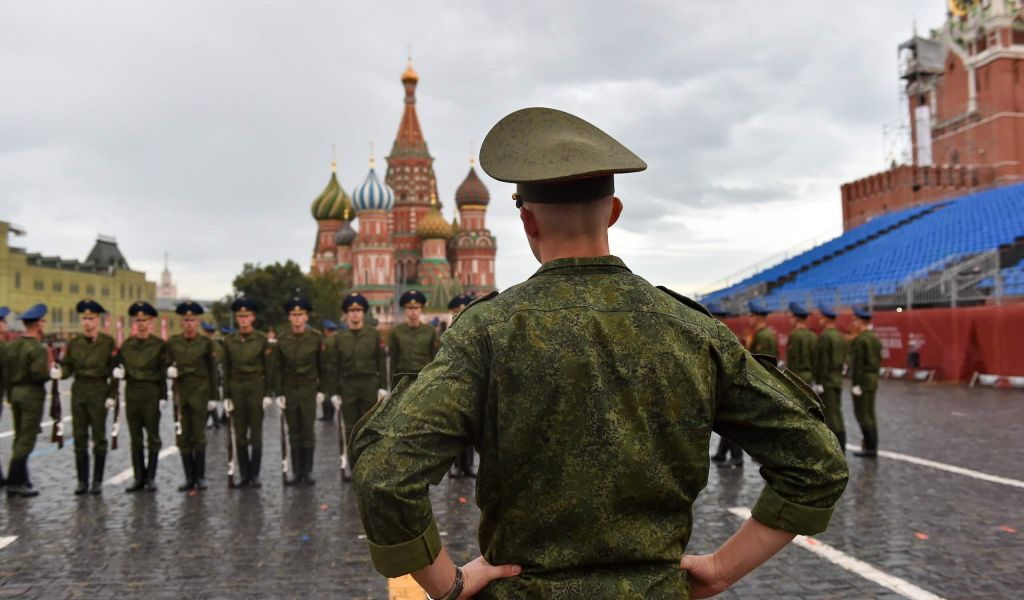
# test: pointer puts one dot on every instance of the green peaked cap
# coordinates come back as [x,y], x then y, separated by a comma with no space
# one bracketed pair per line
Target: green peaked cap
[538,146]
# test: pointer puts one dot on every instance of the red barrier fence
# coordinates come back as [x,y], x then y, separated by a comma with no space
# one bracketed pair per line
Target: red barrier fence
[955,342]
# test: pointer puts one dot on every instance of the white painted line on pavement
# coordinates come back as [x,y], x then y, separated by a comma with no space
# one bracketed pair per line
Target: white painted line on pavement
[855,566]
[127,474]
[924,462]
[7,541]
[47,423]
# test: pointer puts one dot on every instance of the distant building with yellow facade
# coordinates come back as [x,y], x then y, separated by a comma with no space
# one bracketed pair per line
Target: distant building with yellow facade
[27,278]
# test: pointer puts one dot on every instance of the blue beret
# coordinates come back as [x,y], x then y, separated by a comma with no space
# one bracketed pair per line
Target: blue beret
[227,330]
[243,304]
[329,325]
[297,302]
[189,309]
[34,314]
[826,310]
[355,298]
[798,310]
[412,296]
[208,327]
[89,306]
[460,300]
[862,312]
[4,311]
[141,308]
[757,308]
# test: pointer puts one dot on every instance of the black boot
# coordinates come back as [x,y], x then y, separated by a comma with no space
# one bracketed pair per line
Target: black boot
[842,440]
[99,463]
[200,469]
[297,472]
[82,468]
[17,475]
[254,467]
[870,447]
[139,468]
[723,450]
[307,466]
[188,465]
[27,490]
[467,462]
[242,469]
[154,458]
[737,457]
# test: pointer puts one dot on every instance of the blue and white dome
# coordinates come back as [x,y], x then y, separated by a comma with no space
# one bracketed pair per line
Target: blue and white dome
[373,194]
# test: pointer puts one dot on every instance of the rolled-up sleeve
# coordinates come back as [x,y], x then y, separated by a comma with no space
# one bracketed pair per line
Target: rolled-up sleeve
[779,421]
[408,442]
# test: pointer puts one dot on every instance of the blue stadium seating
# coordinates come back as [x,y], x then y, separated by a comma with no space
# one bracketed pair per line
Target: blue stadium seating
[943,231]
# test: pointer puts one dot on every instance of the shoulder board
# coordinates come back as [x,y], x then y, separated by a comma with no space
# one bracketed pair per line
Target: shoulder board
[483,298]
[697,306]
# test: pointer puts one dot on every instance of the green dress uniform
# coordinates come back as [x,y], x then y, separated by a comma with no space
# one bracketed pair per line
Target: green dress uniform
[246,360]
[411,348]
[90,362]
[26,375]
[195,387]
[145,365]
[831,356]
[765,342]
[865,361]
[800,353]
[300,373]
[614,387]
[358,367]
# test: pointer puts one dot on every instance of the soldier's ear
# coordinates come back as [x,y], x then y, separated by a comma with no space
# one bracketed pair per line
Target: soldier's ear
[530,225]
[616,210]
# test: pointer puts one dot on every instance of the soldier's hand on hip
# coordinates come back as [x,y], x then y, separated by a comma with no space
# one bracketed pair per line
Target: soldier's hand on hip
[702,572]
[319,398]
[163,405]
[478,573]
[381,394]
[172,372]
[118,372]
[282,402]
[336,401]
[109,404]
[267,401]
[229,406]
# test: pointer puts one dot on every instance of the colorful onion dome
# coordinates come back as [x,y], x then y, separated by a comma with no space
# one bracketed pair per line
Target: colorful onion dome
[410,75]
[346,235]
[333,201]
[472,190]
[433,225]
[373,194]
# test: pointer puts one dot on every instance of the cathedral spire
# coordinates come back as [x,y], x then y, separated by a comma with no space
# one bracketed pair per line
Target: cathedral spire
[409,140]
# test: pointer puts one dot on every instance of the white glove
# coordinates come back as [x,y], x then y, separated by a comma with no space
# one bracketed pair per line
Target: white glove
[319,398]
[118,372]
[856,390]
[229,406]
[267,401]
[818,389]
[381,394]
[336,401]
[56,372]
[172,372]
[211,405]
[109,404]
[163,405]
[282,402]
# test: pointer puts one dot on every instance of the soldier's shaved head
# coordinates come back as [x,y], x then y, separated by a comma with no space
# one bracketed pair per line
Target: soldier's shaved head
[573,229]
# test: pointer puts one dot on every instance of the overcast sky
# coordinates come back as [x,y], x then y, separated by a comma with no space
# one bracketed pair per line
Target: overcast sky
[204,129]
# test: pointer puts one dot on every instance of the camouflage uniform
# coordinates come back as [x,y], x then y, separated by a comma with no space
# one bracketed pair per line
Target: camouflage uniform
[865,360]
[613,388]
[800,352]
[831,356]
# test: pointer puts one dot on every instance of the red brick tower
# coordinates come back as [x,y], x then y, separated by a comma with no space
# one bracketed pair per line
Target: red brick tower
[473,246]
[411,175]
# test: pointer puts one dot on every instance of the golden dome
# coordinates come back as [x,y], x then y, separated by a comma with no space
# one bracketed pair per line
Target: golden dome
[410,75]
[433,224]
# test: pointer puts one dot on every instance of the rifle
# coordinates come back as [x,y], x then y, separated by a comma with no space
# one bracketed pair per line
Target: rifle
[284,448]
[175,395]
[346,471]
[232,449]
[57,436]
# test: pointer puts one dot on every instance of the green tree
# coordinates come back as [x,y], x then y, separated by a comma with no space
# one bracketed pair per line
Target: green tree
[271,286]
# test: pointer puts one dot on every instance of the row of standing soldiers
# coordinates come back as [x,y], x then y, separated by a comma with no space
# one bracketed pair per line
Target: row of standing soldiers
[820,361]
[296,370]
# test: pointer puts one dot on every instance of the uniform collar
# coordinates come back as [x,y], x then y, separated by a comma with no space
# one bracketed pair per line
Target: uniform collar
[595,263]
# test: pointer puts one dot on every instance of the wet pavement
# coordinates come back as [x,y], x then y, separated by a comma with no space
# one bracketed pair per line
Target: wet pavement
[952,535]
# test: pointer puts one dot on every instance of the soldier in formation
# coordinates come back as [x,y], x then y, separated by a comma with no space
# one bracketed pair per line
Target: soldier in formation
[300,377]
[357,363]
[579,380]
[247,360]
[90,358]
[193,369]
[865,361]
[414,343]
[802,345]
[330,330]
[765,341]
[143,365]
[25,378]
[832,350]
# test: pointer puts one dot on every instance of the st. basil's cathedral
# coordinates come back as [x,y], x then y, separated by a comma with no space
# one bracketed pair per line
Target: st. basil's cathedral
[402,241]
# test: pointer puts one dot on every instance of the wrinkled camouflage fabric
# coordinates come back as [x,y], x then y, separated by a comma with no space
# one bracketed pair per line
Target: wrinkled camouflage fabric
[591,396]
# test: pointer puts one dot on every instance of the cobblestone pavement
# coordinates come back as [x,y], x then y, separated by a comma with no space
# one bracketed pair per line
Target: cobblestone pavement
[949,534]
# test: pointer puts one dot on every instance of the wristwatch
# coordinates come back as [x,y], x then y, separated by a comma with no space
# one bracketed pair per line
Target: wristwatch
[456,590]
